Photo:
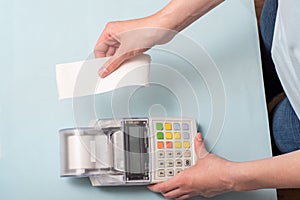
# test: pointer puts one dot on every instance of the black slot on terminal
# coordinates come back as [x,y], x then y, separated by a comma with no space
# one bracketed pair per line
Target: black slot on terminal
[136,149]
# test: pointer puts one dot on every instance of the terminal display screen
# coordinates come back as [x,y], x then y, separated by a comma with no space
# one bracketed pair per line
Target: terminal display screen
[136,150]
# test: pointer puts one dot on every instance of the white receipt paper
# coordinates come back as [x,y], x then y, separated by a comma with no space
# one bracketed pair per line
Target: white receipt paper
[81,78]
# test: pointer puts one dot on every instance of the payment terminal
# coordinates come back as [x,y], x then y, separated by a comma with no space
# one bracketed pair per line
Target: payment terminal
[128,151]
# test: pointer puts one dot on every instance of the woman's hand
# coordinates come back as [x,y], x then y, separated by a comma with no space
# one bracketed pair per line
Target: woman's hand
[210,176]
[125,39]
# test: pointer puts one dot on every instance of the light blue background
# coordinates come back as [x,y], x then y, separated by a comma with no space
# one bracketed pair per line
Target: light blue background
[36,35]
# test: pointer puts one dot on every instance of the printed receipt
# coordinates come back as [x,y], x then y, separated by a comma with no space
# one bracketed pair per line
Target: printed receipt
[81,78]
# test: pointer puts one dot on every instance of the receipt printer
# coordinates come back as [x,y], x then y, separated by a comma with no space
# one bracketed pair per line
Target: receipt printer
[128,151]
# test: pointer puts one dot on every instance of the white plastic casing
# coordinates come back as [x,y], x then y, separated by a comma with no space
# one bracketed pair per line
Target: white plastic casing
[99,152]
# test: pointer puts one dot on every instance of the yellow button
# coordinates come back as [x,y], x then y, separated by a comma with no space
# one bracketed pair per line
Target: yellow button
[186,144]
[177,145]
[168,126]
[168,135]
[177,135]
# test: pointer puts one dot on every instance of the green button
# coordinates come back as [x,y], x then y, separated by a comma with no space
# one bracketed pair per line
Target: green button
[159,126]
[160,135]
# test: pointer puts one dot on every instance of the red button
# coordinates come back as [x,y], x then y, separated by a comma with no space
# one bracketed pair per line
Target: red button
[169,145]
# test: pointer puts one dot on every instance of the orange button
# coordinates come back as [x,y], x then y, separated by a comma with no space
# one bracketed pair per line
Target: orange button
[160,145]
[169,145]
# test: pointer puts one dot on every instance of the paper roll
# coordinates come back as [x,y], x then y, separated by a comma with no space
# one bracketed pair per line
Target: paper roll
[79,150]
[81,78]
[89,152]
[118,151]
[103,152]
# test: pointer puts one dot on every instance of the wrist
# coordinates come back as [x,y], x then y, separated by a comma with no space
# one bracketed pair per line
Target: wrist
[179,14]
[238,178]
[157,29]
[234,176]
[230,176]
[241,177]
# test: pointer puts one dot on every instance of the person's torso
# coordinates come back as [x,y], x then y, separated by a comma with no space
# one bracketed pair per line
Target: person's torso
[286,49]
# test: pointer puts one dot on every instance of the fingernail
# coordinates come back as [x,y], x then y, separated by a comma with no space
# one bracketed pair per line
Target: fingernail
[199,137]
[150,187]
[102,72]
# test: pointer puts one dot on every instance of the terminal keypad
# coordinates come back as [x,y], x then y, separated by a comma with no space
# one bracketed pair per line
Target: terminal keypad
[173,143]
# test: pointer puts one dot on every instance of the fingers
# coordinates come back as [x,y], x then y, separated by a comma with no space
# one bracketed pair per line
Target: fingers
[119,40]
[100,50]
[118,58]
[106,44]
[166,186]
[112,64]
[172,194]
[162,187]
[173,188]
[111,51]
[101,46]
[177,193]
[106,48]
[199,146]
[185,196]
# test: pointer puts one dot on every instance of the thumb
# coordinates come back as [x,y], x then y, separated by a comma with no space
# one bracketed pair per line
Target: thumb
[200,149]
[113,63]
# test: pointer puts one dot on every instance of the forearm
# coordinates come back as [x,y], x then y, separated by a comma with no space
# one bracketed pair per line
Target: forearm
[277,172]
[119,39]
[179,14]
